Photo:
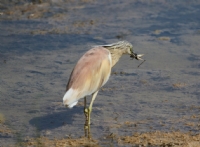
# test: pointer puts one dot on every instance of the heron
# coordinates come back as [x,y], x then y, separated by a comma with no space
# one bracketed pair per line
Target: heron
[91,72]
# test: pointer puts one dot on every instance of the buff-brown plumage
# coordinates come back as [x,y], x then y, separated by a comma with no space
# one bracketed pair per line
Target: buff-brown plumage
[91,72]
[93,69]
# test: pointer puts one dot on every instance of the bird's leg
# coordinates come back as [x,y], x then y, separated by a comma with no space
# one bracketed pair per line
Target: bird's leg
[90,107]
[86,117]
[85,109]
[89,110]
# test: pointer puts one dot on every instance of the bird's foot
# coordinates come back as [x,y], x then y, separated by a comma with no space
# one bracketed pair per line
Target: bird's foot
[87,112]
[87,131]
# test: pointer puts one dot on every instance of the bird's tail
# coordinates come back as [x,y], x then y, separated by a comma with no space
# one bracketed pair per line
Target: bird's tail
[70,98]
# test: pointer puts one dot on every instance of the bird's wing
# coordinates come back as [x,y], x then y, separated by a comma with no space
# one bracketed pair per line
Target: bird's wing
[91,72]
[105,45]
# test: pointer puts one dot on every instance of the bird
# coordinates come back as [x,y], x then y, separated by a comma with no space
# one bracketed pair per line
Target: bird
[91,72]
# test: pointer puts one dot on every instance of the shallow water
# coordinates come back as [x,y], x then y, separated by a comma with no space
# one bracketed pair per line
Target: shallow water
[40,44]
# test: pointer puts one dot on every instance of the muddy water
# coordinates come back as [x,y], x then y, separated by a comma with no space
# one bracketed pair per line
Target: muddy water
[41,42]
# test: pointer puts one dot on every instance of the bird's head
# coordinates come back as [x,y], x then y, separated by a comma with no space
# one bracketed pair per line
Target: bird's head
[128,49]
[122,47]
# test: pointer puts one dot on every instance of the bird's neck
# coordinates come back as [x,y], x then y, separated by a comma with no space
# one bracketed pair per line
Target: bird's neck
[116,55]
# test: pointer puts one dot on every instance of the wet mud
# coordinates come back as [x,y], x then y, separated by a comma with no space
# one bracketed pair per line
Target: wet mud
[157,104]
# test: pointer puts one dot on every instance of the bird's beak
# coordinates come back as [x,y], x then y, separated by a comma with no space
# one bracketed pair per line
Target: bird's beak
[137,56]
